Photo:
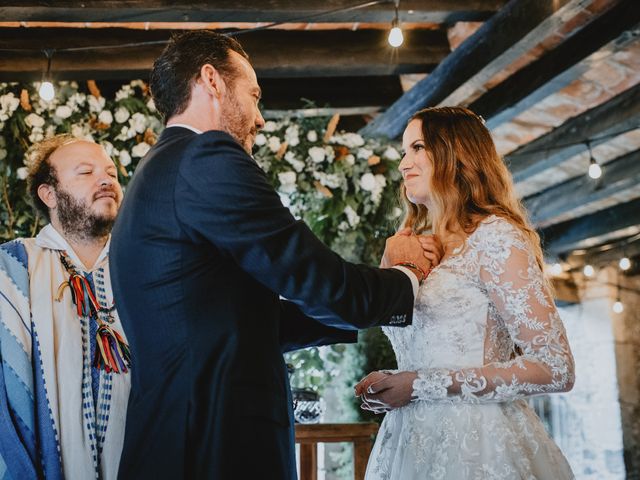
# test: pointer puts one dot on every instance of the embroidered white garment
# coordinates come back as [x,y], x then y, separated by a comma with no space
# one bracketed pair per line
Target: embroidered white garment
[88,406]
[485,335]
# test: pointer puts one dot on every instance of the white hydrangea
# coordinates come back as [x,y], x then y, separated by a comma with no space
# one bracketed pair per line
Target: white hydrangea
[22,173]
[292,135]
[317,154]
[8,104]
[391,154]
[352,217]
[122,115]
[105,117]
[312,136]
[96,104]
[270,126]
[126,133]
[138,122]
[287,182]
[125,158]
[330,153]
[350,160]
[351,140]
[296,163]
[63,111]
[76,100]
[260,139]
[50,131]
[329,180]
[140,150]
[368,182]
[125,92]
[151,105]
[34,120]
[364,153]
[37,135]
[108,147]
[81,130]
[274,144]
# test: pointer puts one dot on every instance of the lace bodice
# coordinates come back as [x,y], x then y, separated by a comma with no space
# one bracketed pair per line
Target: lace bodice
[485,328]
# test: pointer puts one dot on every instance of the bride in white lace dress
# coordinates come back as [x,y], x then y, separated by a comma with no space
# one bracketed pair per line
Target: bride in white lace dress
[485,334]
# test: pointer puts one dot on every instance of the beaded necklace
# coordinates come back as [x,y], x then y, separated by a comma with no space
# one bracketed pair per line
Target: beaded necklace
[112,354]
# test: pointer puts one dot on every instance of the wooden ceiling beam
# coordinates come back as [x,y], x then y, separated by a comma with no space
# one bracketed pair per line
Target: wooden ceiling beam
[597,125]
[273,53]
[435,11]
[610,33]
[510,33]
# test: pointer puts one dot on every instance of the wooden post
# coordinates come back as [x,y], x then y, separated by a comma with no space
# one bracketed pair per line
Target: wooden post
[360,434]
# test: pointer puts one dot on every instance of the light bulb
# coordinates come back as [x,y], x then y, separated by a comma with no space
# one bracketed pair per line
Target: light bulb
[588,271]
[618,307]
[556,269]
[395,37]
[46,91]
[625,263]
[594,170]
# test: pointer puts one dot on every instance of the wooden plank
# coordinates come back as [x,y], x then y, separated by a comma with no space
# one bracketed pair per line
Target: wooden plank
[335,432]
[598,228]
[599,124]
[361,452]
[584,194]
[273,53]
[511,32]
[436,11]
[608,34]
[308,461]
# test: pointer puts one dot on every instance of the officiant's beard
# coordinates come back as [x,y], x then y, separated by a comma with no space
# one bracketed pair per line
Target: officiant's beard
[78,221]
[237,124]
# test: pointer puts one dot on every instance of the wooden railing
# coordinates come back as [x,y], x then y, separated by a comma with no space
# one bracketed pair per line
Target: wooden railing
[308,436]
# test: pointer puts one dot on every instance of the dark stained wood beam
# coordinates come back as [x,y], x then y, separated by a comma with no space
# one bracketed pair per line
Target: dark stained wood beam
[273,53]
[575,197]
[596,229]
[608,34]
[599,124]
[514,30]
[436,11]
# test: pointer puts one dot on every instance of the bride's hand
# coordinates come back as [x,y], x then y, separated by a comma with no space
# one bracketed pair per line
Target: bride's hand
[393,391]
[373,377]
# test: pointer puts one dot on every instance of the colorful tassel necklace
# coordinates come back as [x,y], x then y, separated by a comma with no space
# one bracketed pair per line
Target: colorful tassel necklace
[112,352]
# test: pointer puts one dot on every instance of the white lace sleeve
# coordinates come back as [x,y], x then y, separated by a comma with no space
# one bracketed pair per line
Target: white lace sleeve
[544,364]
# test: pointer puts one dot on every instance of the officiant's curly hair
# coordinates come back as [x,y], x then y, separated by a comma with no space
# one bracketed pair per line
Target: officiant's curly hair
[175,70]
[470,180]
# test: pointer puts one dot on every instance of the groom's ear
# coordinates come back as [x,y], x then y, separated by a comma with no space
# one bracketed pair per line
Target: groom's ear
[212,81]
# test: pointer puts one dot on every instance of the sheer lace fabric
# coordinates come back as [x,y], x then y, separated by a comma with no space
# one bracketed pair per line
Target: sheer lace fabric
[485,335]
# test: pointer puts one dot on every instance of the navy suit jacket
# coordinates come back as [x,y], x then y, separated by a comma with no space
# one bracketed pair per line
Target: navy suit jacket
[200,254]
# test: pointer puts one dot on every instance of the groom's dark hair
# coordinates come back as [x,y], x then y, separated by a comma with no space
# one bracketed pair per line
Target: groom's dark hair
[175,70]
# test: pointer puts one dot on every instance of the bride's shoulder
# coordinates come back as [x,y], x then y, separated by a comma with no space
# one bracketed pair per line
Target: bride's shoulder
[496,230]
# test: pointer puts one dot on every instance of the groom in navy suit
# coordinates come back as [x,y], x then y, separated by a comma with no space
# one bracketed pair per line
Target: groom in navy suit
[201,254]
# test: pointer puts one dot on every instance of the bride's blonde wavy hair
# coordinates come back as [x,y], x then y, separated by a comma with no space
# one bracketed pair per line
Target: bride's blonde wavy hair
[470,181]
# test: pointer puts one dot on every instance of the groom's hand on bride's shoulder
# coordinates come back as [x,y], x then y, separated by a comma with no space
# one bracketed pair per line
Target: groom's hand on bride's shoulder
[389,392]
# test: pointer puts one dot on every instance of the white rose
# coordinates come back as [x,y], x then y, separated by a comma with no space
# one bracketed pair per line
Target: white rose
[63,111]
[151,105]
[312,136]
[108,147]
[96,104]
[352,217]
[260,139]
[291,135]
[368,182]
[3,154]
[34,120]
[122,115]
[125,92]
[317,154]
[36,135]
[381,182]
[274,144]
[391,153]
[105,117]
[350,159]
[330,152]
[22,173]
[287,182]
[9,103]
[270,126]
[138,122]
[140,150]
[125,158]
